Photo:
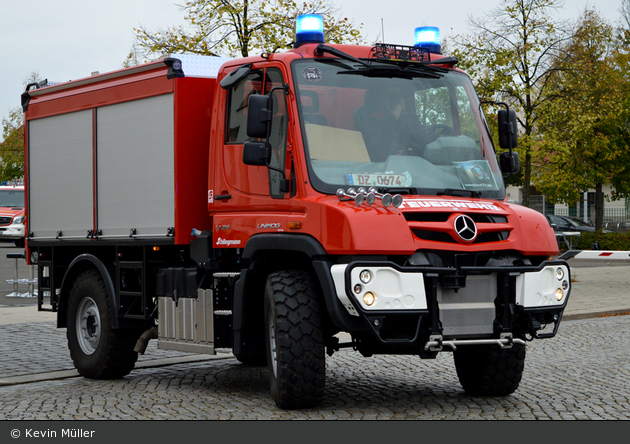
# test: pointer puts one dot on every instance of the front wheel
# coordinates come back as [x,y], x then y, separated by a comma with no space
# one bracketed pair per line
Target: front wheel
[295,343]
[98,351]
[490,370]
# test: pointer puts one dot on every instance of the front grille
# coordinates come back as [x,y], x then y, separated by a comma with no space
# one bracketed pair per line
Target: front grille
[434,236]
[5,220]
[443,217]
[441,235]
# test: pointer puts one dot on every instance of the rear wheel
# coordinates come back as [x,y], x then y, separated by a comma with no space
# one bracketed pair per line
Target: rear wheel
[295,343]
[490,370]
[98,351]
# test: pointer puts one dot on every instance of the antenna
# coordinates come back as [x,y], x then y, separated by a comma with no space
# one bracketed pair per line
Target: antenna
[382,32]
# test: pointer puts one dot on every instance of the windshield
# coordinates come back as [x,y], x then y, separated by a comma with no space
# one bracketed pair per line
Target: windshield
[418,131]
[12,198]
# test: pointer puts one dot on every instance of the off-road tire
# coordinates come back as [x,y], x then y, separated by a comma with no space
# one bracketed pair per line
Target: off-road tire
[109,353]
[490,370]
[294,340]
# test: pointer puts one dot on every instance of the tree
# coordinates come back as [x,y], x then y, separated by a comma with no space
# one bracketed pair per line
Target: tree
[510,59]
[239,27]
[12,147]
[586,129]
[623,34]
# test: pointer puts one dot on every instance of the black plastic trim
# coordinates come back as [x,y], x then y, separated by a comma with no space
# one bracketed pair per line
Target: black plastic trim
[282,241]
[107,279]
[336,311]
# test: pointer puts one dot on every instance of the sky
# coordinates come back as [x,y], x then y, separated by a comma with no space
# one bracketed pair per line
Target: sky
[65,40]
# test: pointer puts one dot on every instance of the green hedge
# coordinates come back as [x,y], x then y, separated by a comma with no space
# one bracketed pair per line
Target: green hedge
[607,241]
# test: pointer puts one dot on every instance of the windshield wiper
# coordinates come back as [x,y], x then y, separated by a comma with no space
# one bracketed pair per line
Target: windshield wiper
[394,68]
[321,49]
[391,71]
[460,193]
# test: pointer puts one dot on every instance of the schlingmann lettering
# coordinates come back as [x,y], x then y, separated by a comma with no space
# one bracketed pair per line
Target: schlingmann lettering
[228,242]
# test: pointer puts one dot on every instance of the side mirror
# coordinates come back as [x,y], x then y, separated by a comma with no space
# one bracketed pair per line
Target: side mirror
[258,116]
[256,153]
[509,162]
[508,135]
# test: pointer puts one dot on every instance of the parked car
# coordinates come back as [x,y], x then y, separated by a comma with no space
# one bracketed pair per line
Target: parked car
[12,215]
[562,224]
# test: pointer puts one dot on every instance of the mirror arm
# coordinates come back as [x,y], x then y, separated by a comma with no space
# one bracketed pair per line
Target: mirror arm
[284,185]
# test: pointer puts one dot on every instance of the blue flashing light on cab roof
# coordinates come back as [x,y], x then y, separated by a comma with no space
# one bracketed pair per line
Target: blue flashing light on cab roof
[309,28]
[428,37]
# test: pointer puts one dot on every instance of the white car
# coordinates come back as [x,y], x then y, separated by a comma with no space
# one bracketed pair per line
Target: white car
[12,217]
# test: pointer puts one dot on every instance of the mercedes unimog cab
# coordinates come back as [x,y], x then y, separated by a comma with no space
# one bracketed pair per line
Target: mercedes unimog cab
[327,197]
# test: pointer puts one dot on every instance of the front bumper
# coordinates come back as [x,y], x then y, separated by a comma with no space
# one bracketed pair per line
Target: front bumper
[12,232]
[414,305]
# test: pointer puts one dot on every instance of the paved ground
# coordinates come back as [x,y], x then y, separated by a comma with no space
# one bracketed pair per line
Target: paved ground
[583,373]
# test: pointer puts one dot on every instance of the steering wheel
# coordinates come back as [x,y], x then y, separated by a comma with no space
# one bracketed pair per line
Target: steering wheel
[432,132]
[429,133]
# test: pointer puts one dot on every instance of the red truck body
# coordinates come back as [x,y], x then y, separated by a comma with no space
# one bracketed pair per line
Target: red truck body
[185,224]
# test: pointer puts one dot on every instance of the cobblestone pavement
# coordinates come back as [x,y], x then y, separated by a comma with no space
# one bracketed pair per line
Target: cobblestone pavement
[43,348]
[583,373]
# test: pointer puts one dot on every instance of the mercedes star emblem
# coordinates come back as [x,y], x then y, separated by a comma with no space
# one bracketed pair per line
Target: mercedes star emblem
[465,228]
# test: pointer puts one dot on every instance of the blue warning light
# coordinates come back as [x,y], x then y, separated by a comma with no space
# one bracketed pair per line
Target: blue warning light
[309,28]
[428,37]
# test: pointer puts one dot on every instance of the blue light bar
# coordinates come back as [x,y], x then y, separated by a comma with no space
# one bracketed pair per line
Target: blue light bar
[309,28]
[428,37]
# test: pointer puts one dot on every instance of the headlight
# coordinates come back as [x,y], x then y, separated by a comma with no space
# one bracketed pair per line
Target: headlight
[365,276]
[559,294]
[19,220]
[369,298]
[559,274]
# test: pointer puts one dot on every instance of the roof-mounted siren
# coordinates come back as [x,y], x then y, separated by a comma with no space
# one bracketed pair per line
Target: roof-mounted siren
[309,28]
[428,37]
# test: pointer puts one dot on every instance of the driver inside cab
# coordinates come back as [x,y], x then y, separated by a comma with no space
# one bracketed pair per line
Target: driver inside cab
[387,128]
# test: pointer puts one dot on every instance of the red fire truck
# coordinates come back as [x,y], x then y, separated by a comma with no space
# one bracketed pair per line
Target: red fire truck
[282,207]
[12,214]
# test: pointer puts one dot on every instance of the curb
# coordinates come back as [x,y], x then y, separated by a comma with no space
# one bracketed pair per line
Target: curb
[595,314]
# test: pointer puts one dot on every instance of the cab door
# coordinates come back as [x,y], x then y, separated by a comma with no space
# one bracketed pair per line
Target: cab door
[254,182]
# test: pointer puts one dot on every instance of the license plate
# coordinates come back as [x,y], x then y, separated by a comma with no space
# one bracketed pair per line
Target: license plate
[379,180]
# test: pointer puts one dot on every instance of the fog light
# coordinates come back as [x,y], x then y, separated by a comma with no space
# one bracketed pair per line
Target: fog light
[358,288]
[365,276]
[559,294]
[369,298]
[559,274]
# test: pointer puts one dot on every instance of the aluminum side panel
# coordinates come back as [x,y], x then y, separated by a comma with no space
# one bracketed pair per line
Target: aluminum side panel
[135,167]
[60,175]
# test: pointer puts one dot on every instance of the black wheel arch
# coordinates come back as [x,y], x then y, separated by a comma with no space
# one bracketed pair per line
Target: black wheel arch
[270,252]
[80,264]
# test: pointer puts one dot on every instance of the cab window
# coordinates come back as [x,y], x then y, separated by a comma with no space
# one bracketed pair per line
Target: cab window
[237,107]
